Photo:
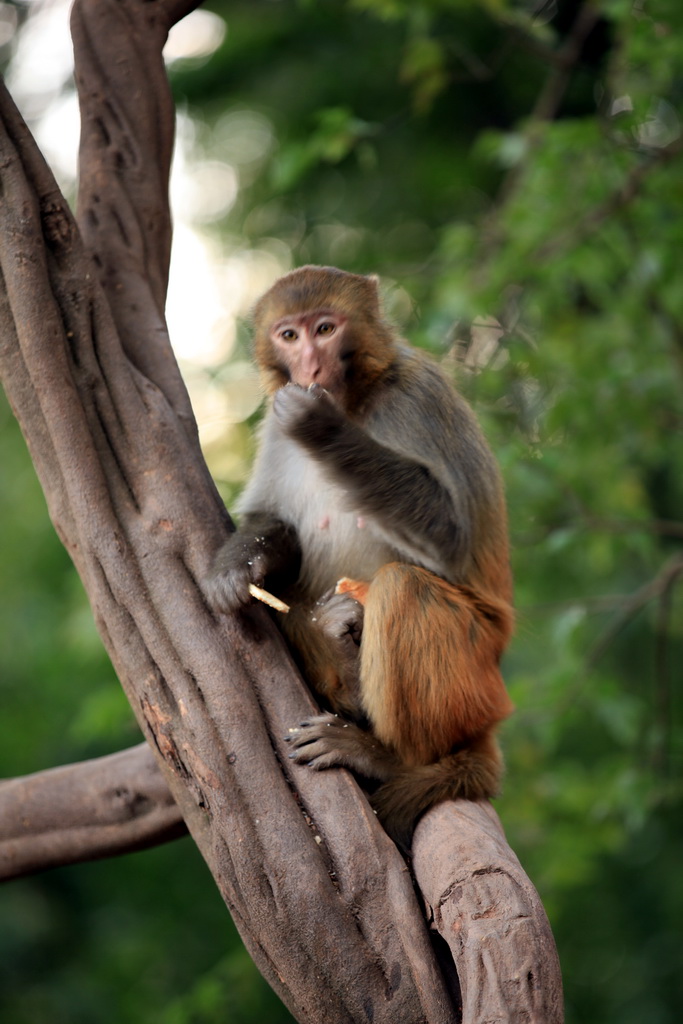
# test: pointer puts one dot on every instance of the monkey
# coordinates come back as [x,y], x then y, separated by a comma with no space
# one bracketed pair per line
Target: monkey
[375,509]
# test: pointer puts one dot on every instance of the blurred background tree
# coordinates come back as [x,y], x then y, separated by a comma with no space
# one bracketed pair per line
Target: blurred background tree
[513,172]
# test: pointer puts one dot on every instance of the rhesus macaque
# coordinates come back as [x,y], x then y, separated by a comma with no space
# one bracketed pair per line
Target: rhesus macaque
[373,469]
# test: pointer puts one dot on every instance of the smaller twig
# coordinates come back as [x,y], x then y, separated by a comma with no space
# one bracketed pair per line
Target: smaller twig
[597,603]
[664,579]
[662,715]
[550,97]
[477,69]
[568,56]
[620,198]
[660,527]
[657,527]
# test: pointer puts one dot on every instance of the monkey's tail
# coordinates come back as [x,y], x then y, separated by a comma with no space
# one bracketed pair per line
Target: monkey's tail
[471,773]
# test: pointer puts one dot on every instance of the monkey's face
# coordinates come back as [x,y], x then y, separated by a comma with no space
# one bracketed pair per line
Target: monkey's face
[313,348]
[320,325]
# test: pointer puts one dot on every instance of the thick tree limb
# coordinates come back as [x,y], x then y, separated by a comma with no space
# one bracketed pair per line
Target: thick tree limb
[98,808]
[125,157]
[300,860]
[482,904]
[478,898]
[322,898]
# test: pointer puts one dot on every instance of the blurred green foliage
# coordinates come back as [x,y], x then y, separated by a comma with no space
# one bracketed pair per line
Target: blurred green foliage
[489,161]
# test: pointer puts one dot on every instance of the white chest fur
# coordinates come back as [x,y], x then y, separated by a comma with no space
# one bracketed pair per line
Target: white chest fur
[335,539]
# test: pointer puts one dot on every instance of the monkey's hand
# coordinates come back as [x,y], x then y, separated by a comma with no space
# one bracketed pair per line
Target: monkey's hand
[263,547]
[242,560]
[306,414]
[323,741]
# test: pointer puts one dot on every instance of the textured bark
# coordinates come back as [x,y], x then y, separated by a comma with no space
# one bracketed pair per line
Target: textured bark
[323,900]
[98,808]
[501,954]
[301,862]
[480,901]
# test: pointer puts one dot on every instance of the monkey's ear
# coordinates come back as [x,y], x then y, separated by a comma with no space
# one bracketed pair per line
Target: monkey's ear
[373,281]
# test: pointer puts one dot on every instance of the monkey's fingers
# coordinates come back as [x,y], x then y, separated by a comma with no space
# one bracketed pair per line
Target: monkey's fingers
[324,741]
[316,748]
[312,728]
[269,599]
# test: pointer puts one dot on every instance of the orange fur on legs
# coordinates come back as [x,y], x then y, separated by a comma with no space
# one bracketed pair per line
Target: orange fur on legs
[429,672]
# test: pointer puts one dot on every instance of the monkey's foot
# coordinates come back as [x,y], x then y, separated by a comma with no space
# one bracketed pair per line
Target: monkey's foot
[339,616]
[326,740]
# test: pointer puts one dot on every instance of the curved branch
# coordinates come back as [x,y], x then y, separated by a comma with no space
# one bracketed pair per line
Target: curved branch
[299,858]
[84,811]
[321,897]
[483,905]
[127,131]
[478,899]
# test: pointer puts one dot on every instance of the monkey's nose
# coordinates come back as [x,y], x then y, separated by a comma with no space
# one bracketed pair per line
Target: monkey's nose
[311,370]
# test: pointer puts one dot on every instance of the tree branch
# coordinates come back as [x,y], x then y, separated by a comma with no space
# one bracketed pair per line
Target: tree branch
[299,858]
[127,130]
[593,220]
[658,527]
[480,901]
[566,59]
[84,811]
[321,897]
[662,674]
[477,897]
[632,605]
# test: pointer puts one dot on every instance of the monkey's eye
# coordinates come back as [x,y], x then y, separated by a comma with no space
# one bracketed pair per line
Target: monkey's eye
[326,328]
[289,334]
